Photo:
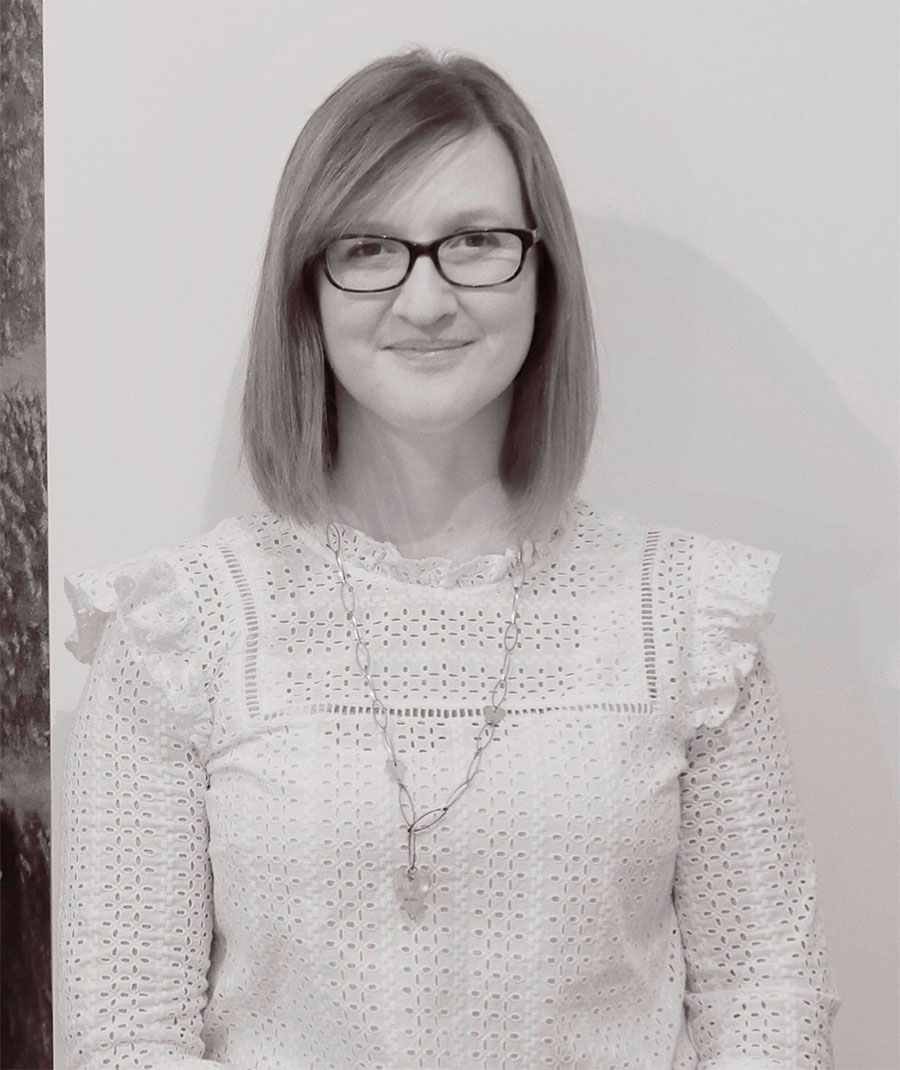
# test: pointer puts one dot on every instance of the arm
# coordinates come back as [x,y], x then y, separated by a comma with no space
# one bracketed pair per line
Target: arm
[759,995]
[135,915]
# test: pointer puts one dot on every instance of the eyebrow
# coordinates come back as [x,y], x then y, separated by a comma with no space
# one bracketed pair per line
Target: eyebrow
[476,219]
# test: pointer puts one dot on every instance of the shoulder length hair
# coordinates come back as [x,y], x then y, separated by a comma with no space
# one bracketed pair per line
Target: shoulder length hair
[376,124]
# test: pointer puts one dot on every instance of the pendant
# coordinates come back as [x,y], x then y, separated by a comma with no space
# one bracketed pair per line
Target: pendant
[411,887]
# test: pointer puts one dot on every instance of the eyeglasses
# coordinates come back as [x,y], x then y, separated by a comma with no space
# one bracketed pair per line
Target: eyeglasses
[371,263]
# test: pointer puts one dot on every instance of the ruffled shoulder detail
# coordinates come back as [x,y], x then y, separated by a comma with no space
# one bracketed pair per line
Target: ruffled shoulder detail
[732,608]
[159,623]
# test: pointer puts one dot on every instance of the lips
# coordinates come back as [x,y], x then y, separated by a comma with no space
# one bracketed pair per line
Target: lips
[419,345]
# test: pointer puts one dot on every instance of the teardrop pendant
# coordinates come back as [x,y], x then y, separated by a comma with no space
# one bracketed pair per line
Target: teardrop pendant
[412,886]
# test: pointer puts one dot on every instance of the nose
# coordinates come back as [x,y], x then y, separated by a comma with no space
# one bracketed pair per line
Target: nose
[425,297]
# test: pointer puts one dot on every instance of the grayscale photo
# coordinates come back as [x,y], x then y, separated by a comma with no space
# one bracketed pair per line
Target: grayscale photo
[462,541]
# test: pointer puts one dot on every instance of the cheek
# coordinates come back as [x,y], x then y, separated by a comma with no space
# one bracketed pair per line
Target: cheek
[347,326]
[515,324]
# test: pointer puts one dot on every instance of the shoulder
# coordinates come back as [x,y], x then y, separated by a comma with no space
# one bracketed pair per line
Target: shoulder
[166,597]
[708,599]
[700,563]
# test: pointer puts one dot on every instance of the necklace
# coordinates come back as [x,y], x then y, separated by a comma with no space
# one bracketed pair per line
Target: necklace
[412,882]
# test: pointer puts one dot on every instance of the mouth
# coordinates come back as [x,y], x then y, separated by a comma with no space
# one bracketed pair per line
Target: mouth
[425,348]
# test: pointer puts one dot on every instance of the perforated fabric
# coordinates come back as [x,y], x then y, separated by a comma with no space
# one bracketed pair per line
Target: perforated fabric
[627,885]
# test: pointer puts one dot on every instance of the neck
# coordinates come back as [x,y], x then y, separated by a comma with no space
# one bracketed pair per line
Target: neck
[431,495]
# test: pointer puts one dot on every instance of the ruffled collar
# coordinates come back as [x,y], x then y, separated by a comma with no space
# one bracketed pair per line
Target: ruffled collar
[362,552]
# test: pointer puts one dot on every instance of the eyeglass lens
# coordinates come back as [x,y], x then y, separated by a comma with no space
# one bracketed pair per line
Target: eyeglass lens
[485,258]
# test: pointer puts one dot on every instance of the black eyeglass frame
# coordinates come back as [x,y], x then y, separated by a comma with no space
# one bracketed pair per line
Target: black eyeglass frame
[528,238]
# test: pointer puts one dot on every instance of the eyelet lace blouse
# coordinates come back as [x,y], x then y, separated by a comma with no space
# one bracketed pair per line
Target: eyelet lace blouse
[627,884]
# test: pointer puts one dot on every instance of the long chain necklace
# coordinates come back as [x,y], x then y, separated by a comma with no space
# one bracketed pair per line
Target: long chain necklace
[411,881]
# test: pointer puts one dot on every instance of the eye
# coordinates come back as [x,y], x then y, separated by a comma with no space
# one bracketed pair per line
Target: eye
[479,241]
[363,249]
[367,251]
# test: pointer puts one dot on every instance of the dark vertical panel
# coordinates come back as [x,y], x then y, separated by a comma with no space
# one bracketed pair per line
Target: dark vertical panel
[25,977]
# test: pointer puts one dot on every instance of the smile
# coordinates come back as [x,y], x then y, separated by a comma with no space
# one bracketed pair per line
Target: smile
[421,349]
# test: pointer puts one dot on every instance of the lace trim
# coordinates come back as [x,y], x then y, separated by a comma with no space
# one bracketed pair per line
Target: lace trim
[251,653]
[361,551]
[458,713]
[649,561]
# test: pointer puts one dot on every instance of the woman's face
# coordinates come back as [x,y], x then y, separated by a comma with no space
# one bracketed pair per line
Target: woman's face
[429,357]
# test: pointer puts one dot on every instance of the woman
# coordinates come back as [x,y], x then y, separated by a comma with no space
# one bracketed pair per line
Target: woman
[430,765]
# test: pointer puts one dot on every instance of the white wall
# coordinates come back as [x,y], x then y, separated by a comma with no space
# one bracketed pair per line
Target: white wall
[733,168]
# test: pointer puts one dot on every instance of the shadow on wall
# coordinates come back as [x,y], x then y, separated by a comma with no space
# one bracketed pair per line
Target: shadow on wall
[717,419]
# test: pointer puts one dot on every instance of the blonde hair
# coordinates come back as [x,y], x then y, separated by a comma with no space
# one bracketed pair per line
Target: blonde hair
[376,124]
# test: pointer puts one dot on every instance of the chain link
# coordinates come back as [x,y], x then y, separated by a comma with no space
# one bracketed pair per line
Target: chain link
[493,713]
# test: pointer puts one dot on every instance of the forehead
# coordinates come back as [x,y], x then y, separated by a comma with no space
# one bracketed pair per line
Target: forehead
[473,181]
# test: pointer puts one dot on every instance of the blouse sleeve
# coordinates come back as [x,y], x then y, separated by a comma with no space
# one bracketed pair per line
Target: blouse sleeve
[758,992]
[135,914]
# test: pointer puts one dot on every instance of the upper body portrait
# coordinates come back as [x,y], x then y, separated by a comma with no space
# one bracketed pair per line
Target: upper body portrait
[432,764]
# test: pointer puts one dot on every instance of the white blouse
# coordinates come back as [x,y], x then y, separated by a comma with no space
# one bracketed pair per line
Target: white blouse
[626,885]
